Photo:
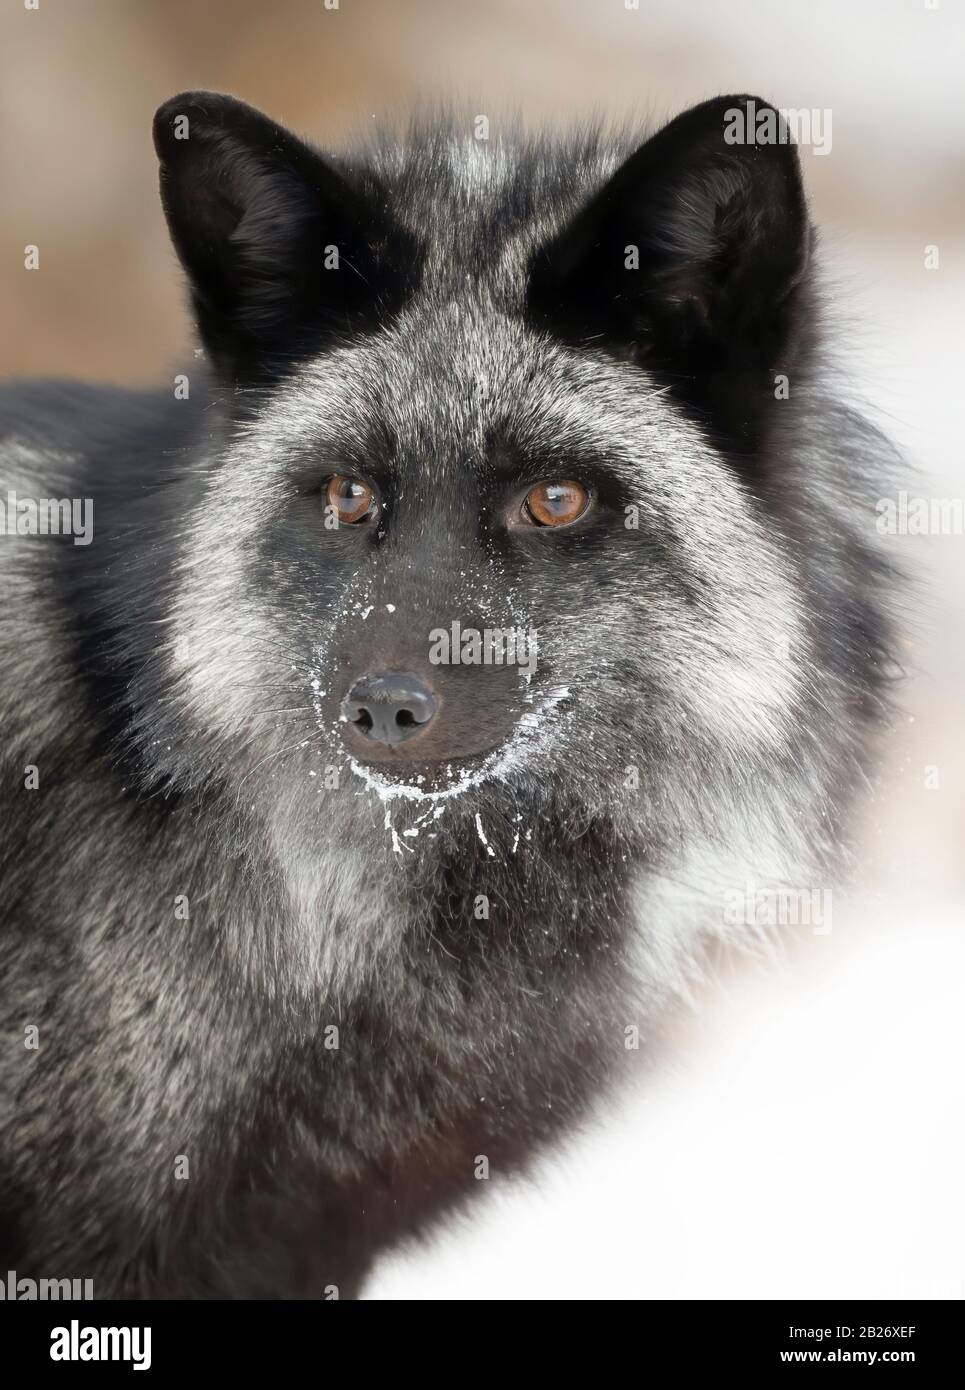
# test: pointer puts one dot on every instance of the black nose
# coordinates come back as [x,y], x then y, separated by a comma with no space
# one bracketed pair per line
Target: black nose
[389,708]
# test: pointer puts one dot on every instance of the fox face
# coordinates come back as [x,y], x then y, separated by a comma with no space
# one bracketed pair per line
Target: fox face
[484,401]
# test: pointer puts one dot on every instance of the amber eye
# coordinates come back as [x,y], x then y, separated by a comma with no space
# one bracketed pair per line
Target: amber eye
[350,499]
[555,504]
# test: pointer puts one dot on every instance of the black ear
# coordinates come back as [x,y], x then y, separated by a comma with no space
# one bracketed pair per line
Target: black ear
[691,258]
[285,251]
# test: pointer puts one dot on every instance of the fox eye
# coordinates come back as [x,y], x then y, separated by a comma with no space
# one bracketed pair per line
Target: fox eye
[555,504]
[351,499]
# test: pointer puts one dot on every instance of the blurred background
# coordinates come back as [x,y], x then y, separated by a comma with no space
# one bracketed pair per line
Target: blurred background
[802,1133]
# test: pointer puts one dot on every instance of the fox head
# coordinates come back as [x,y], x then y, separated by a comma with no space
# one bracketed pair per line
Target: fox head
[512,397]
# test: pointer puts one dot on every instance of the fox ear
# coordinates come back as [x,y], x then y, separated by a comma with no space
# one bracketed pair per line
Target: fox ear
[690,256]
[283,250]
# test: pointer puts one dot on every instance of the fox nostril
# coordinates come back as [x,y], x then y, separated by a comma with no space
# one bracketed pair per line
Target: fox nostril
[389,708]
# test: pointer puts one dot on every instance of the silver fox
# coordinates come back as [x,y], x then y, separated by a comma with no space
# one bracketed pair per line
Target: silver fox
[299,924]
